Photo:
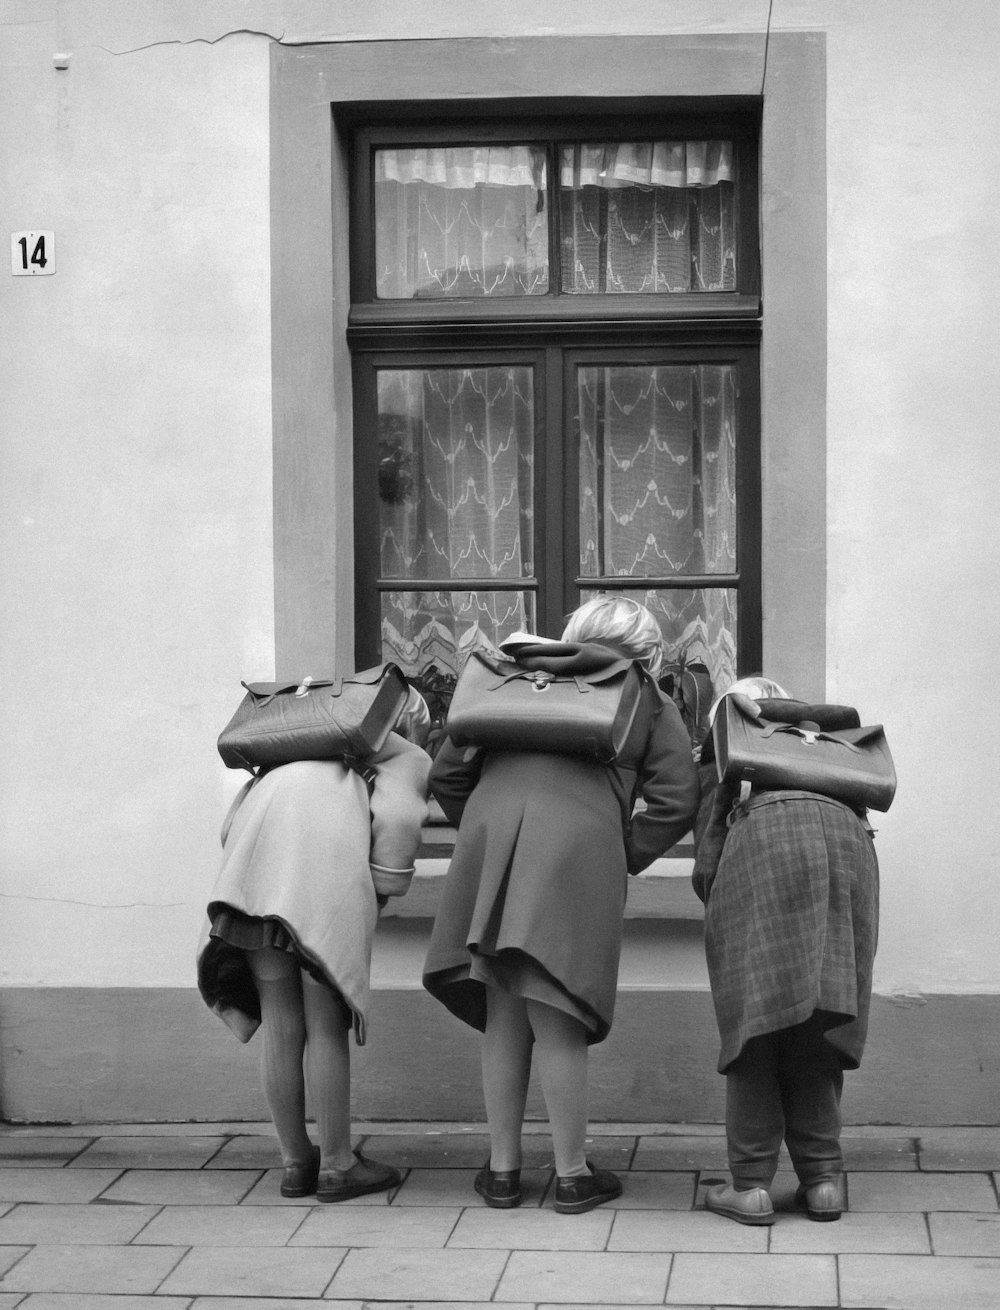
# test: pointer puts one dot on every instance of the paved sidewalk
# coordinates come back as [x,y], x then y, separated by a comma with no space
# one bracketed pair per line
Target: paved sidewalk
[188,1217]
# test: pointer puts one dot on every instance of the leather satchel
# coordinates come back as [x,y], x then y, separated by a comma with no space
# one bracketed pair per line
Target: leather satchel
[314,719]
[501,705]
[849,764]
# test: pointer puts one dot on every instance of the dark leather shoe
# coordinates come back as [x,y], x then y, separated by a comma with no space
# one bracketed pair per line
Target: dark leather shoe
[300,1179]
[364,1176]
[751,1207]
[499,1188]
[823,1202]
[575,1194]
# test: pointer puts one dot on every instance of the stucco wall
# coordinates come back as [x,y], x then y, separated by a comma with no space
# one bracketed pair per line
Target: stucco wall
[137,534]
[136,544]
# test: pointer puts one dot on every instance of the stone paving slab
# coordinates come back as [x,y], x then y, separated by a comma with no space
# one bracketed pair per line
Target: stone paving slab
[94,1301]
[108,1269]
[665,1230]
[754,1280]
[635,1278]
[253,1271]
[964,1234]
[951,1151]
[148,1153]
[55,1185]
[86,1225]
[892,1191]
[41,1152]
[532,1230]
[681,1153]
[344,1224]
[902,1234]
[905,1282]
[181,1186]
[386,1273]
[219,1225]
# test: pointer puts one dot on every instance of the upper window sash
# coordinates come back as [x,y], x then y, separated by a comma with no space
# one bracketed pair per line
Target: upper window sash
[555,221]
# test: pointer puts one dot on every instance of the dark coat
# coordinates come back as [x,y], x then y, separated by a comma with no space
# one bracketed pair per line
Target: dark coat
[544,847]
[791,915]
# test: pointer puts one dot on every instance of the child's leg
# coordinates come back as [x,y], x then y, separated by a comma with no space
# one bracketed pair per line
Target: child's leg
[562,1067]
[276,974]
[328,1070]
[755,1122]
[506,1062]
[812,1080]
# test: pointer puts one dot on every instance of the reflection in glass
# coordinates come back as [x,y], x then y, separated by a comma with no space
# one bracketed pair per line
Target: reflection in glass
[442,627]
[465,221]
[647,217]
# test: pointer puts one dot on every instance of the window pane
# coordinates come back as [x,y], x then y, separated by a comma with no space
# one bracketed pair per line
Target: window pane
[698,624]
[647,217]
[442,627]
[456,472]
[657,469]
[461,221]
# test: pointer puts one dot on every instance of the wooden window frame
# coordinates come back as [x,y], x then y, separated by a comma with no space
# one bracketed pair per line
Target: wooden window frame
[658,327]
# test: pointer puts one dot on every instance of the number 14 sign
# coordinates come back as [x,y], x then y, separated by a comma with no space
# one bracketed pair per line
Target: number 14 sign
[32,253]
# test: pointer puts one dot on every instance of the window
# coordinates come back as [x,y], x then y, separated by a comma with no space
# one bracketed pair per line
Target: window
[554,329]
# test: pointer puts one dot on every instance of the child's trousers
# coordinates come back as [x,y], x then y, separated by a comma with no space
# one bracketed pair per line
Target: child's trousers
[785,1085]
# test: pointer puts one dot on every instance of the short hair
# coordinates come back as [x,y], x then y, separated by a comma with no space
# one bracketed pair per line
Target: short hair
[623,622]
[756,687]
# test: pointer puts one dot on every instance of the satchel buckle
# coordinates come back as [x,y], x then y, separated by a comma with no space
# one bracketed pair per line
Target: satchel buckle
[303,688]
[540,681]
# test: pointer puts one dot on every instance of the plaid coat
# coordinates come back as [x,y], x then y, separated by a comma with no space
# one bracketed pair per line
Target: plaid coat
[791,916]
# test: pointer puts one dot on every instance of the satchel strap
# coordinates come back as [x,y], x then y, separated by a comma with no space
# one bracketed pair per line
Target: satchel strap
[809,735]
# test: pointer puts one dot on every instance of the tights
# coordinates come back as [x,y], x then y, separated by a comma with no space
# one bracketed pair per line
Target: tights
[785,1084]
[305,1029]
[514,1025]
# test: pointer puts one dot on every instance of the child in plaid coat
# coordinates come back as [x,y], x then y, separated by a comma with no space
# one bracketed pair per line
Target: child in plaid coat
[790,885]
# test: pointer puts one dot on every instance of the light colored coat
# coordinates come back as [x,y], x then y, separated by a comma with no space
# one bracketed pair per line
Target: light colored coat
[304,845]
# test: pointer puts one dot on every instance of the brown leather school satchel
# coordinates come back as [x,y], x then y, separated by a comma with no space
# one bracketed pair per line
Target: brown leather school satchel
[849,764]
[314,719]
[501,705]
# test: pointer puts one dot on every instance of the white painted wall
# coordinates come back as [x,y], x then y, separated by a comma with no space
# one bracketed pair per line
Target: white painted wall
[137,544]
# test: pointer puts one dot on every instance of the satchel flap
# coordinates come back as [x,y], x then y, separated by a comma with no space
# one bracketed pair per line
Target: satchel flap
[264,690]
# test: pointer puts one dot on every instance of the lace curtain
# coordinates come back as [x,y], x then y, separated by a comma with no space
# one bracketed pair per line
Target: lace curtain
[456,486]
[658,494]
[634,218]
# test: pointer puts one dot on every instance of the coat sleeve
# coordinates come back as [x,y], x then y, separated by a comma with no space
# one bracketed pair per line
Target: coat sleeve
[667,781]
[710,830]
[398,805]
[454,775]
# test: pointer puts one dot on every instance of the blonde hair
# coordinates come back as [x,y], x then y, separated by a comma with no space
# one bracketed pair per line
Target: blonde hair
[621,621]
[756,687]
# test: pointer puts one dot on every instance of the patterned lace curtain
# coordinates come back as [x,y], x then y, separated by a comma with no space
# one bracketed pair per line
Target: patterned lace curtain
[658,494]
[460,221]
[456,475]
[650,217]
[471,221]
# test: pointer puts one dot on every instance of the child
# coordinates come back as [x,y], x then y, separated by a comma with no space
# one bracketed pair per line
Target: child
[308,857]
[790,885]
[527,938]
